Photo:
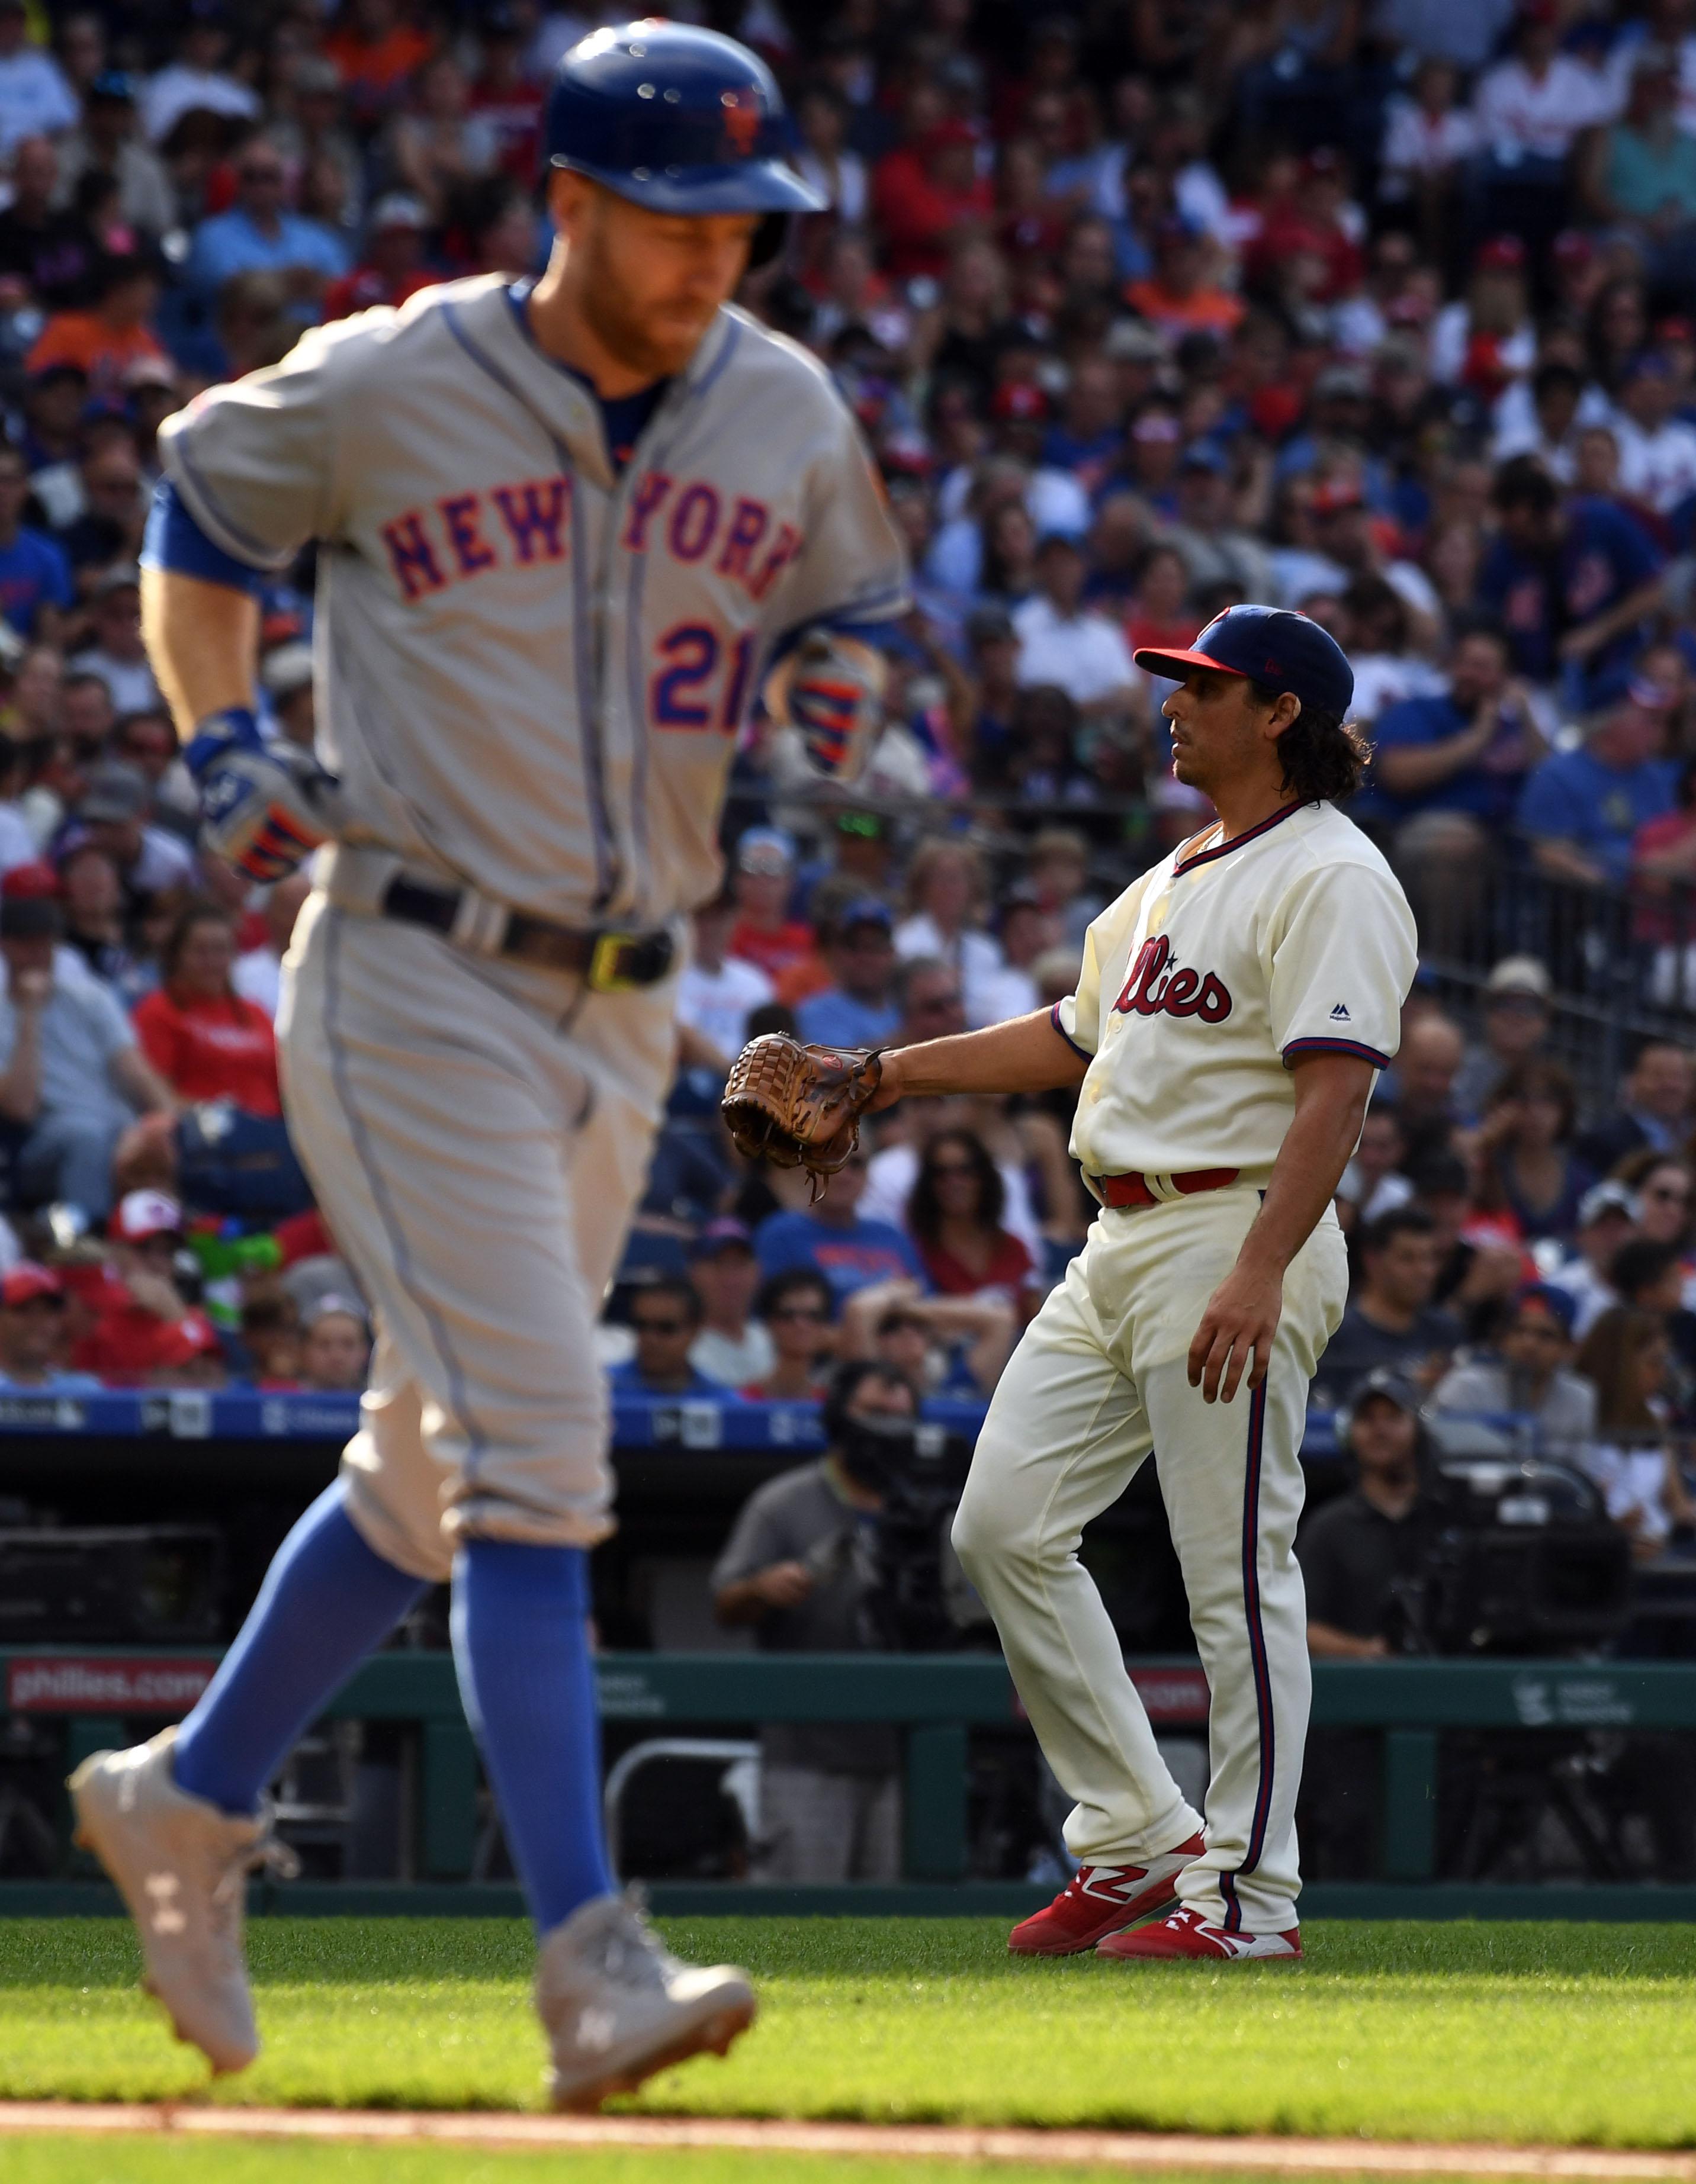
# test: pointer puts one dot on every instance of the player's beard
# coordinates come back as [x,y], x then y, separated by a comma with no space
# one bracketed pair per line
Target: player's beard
[629,333]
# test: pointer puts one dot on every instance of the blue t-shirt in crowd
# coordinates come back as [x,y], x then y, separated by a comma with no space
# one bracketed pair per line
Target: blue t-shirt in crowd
[849,1258]
[833,1018]
[230,243]
[1573,797]
[1602,555]
[34,573]
[626,1379]
[1488,788]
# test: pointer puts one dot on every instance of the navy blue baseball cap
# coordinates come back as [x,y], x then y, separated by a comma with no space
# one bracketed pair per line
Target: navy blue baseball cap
[1270,645]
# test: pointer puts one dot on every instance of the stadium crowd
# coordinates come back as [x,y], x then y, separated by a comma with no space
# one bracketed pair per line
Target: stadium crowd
[1382,309]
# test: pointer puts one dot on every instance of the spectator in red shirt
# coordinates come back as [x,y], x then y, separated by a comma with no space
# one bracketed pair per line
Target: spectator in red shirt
[503,96]
[954,1214]
[765,933]
[393,268]
[198,1032]
[923,193]
[145,1334]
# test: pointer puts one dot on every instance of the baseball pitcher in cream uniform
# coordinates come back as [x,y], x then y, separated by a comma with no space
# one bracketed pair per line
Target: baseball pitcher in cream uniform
[1233,1009]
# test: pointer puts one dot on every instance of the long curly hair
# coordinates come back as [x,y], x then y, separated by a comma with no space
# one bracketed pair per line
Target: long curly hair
[1323,755]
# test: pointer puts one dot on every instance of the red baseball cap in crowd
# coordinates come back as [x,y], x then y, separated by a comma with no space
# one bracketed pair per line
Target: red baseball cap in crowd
[1270,645]
[27,1283]
[145,1213]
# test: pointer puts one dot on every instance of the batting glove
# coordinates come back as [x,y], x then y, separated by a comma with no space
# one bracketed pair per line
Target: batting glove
[831,688]
[264,806]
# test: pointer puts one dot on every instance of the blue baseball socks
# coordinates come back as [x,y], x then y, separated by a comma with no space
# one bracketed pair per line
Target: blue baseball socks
[520,1645]
[328,1601]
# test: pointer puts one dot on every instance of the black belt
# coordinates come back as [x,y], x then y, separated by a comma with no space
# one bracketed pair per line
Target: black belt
[611,962]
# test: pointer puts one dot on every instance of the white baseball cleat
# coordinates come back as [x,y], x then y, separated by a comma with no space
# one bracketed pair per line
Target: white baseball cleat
[618,2006]
[180,1866]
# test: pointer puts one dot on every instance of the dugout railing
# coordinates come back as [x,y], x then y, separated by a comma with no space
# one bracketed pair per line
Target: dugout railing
[934,1700]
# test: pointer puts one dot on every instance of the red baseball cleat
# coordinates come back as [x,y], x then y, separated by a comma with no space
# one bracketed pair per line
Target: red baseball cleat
[1103,1899]
[1187,1933]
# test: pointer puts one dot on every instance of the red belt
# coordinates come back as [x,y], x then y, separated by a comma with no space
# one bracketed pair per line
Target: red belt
[1126,1190]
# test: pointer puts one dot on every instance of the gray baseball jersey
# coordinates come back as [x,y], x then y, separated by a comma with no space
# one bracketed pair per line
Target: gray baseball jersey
[531,671]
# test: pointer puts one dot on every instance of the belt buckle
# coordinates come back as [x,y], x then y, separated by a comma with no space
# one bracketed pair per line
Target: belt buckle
[622,962]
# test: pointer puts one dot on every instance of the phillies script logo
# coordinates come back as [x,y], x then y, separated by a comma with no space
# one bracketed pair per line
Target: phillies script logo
[1156,987]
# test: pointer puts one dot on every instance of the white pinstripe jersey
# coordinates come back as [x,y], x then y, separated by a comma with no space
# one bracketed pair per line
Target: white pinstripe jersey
[530,672]
[1216,968]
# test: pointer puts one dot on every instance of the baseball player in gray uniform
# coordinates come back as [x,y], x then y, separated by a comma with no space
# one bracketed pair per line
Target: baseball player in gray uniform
[566,530]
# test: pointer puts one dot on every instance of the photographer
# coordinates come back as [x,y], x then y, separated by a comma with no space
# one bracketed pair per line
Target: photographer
[797,1569]
[1359,1552]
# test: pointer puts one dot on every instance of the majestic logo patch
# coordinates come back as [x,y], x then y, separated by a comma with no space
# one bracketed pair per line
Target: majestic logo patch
[1340,1014]
[1158,986]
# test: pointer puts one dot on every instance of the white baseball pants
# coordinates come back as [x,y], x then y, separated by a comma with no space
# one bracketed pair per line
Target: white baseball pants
[1099,1379]
[477,1133]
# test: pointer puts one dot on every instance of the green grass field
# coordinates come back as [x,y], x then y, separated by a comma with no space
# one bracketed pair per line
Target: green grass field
[1521,2033]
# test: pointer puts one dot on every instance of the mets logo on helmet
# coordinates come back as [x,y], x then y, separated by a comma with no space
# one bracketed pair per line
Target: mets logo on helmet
[741,119]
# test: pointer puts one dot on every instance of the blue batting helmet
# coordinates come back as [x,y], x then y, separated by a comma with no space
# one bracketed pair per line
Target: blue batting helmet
[679,119]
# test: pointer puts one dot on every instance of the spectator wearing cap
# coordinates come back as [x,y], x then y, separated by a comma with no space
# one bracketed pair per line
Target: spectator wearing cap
[765,934]
[1390,1319]
[666,1318]
[205,1040]
[335,1346]
[732,1348]
[393,268]
[1070,645]
[196,82]
[146,1335]
[72,1077]
[118,655]
[1486,341]
[717,991]
[1581,809]
[1361,1552]
[45,249]
[855,1009]
[1516,1025]
[1653,1109]
[1180,296]
[35,98]
[1571,583]
[108,143]
[1525,1372]
[36,587]
[105,339]
[286,679]
[32,1326]
[928,191]
[1607,1221]
[260,234]
[111,813]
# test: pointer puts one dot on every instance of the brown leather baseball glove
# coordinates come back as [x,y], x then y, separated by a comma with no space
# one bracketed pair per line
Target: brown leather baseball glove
[799,1106]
